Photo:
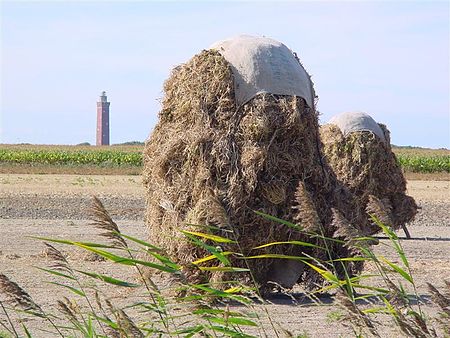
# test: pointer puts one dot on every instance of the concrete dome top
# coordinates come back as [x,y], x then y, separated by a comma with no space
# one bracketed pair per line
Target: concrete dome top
[356,121]
[264,65]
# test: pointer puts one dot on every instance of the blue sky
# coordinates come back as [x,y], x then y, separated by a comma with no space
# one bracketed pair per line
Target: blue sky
[389,59]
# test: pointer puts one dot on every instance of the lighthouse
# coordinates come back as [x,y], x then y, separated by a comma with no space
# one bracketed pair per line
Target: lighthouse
[103,121]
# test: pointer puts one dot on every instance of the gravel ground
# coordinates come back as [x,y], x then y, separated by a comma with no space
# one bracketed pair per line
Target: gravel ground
[70,196]
[76,207]
[57,206]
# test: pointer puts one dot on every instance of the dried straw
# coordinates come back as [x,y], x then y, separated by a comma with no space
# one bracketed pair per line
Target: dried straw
[367,166]
[103,221]
[17,296]
[209,162]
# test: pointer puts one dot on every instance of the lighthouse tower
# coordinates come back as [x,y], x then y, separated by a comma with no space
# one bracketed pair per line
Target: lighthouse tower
[103,121]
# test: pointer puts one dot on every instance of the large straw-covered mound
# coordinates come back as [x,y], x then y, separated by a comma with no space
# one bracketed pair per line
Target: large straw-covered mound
[209,162]
[365,164]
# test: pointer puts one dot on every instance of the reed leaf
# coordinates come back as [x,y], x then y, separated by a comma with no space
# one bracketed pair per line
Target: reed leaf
[190,331]
[232,320]
[127,261]
[27,332]
[71,288]
[214,238]
[279,220]
[63,241]
[108,279]
[279,256]
[402,272]
[300,243]
[223,269]
[139,241]
[210,257]
[56,273]
[230,332]
[209,248]
[327,275]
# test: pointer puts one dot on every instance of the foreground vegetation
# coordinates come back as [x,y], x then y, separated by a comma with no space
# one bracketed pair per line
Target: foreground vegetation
[127,159]
[210,310]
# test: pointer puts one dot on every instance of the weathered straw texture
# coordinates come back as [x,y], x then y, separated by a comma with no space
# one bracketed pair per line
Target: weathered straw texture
[209,163]
[368,167]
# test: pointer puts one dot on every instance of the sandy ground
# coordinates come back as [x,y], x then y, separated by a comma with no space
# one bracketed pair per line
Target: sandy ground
[57,206]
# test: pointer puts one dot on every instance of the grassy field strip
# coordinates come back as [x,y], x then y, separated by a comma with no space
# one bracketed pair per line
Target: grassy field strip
[415,160]
[424,164]
[62,157]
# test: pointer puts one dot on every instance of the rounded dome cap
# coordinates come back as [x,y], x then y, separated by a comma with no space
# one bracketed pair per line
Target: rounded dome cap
[263,65]
[357,121]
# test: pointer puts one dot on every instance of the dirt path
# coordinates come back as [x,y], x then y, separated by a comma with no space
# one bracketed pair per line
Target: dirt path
[57,206]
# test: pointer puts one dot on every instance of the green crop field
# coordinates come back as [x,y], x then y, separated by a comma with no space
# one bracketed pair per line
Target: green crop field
[127,159]
[113,157]
[56,159]
[424,164]
[423,160]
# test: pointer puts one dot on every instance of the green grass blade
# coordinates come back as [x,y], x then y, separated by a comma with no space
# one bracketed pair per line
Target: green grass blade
[125,260]
[279,256]
[232,320]
[229,332]
[327,275]
[291,243]
[279,220]
[27,332]
[155,266]
[108,255]
[238,289]
[348,284]
[56,273]
[377,309]
[214,238]
[217,312]
[71,288]
[371,288]
[221,294]
[389,308]
[62,241]
[223,268]
[210,257]
[190,331]
[349,259]
[108,322]
[165,260]
[220,256]
[108,279]
[139,241]
[393,238]
[402,272]
[387,231]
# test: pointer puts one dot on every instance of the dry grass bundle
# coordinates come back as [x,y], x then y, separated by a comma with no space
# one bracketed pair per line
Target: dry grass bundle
[368,167]
[209,162]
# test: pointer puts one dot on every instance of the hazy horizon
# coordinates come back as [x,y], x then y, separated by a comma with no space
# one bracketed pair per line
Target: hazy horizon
[389,59]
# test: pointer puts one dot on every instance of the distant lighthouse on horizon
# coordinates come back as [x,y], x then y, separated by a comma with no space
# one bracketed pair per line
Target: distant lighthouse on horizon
[103,120]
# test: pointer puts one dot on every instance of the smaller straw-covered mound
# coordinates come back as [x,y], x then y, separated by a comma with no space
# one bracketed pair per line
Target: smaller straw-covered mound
[359,152]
